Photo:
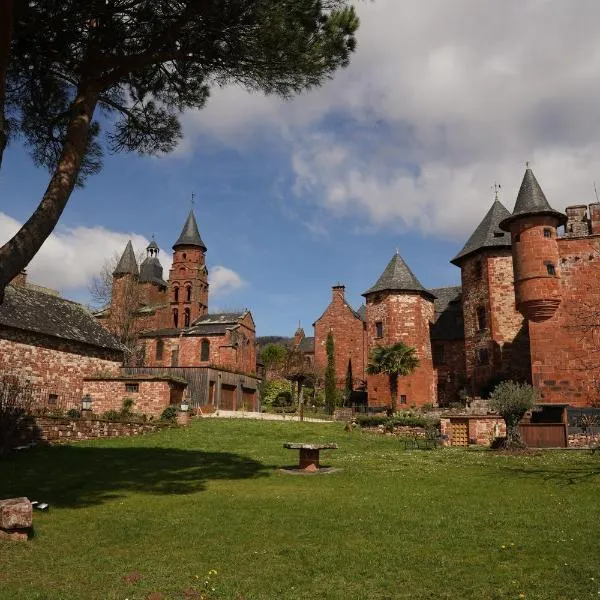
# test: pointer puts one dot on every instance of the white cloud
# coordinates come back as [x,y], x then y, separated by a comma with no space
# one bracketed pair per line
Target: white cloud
[440,100]
[224,281]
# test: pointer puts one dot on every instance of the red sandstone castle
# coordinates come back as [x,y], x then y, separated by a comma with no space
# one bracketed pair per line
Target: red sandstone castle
[528,309]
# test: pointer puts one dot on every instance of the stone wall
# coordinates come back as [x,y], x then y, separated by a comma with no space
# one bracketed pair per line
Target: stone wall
[482,429]
[450,375]
[56,365]
[348,337]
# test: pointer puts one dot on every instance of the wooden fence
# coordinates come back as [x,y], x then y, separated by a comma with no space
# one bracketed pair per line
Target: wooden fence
[544,435]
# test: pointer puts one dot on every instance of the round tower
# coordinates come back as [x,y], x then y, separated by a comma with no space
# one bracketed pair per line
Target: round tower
[532,227]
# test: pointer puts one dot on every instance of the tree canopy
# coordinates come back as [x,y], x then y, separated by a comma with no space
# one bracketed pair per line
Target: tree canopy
[140,64]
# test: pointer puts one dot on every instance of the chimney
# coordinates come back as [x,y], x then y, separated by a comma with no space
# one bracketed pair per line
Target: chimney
[338,291]
[20,280]
[577,221]
[595,218]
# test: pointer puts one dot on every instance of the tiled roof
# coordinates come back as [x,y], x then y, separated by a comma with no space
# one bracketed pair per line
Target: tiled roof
[190,236]
[37,312]
[448,323]
[487,234]
[127,263]
[531,200]
[398,277]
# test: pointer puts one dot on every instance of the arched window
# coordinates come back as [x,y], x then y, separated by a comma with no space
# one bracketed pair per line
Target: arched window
[175,318]
[481,320]
[188,293]
[176,294]
[204,350]
[186,317]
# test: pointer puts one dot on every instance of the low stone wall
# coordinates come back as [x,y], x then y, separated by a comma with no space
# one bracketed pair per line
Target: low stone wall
[584,440]
[399,430]
[55,429]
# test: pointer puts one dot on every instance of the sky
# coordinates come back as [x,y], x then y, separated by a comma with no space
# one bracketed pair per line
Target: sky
[399,151]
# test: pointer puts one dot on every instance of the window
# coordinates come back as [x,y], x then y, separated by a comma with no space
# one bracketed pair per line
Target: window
[188,293]
[438,354]
[551,269]
[483,357]
[160,347]
[547,233]
[186,317]
[132,387]
[175,357]
[175,318]
[184,256]
[481,318]
[478,270]
[52,398]
[204,350]
[378,329]
[176,294]
[403,399]
[517,237]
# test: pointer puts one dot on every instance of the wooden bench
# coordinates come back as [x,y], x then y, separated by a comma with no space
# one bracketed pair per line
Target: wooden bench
[309,454]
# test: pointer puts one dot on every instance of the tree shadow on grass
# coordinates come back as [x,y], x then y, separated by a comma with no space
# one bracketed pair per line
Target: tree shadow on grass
[561,476]
[77,476]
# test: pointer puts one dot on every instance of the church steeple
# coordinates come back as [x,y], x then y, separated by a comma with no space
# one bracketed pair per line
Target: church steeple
[190,236]
[127,264]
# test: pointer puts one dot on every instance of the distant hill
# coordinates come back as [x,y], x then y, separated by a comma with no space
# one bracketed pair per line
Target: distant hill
[262,341]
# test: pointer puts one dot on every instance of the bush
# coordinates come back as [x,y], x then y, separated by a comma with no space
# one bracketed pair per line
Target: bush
[169,414]
[127,406]
[272,388]
[283,399]
[401,419]
[111,415]
[16,402]
[74,413]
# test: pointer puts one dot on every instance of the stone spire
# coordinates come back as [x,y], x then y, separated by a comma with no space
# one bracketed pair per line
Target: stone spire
[127,264]
[190,236]
[487,234]
[531,201]
[397,277]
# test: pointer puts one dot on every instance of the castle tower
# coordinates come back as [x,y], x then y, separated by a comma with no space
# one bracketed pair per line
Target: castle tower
[124,290]
[496,340]
[532,226]
[400,309]
[153,287]
[188,278]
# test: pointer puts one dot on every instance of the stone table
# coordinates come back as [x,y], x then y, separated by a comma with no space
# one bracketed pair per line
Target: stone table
[15,518]
[309,454]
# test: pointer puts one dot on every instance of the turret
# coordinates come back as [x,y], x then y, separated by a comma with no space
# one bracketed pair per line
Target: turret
[532,227]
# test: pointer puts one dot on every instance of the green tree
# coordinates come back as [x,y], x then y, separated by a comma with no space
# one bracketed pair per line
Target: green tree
[349,386]
[512,400]
[273,356]
[330,383]
[272,389]
[141,63]
[397,360]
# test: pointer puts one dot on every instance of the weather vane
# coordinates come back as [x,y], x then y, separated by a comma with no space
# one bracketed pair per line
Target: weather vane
[496,187]
[192,199]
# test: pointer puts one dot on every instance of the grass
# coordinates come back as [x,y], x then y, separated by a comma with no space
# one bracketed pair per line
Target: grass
[392,524]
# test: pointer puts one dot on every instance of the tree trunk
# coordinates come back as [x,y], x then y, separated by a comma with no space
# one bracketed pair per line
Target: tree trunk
[6,29]
[301,399]
[16,254]
[394,391]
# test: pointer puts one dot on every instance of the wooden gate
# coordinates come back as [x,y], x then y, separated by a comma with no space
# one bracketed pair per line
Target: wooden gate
[459,432]
[544,435]
[227,397]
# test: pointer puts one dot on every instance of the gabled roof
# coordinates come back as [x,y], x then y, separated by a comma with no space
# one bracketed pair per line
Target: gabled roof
[190,236]
[487,234]
[37,312]
[531,200]
[127,264]
[399,278]
[448,320]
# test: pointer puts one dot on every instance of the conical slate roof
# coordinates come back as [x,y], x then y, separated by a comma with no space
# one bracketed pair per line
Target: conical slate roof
[190,236]
[487,234]
[398,277]
[127,264]
[151,271]
[152,245]
[531,201]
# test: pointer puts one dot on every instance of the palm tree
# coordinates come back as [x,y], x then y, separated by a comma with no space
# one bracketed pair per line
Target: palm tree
[394,361]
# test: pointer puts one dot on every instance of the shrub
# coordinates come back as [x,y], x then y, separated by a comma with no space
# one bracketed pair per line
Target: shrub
[169,414]
[283,399]
[512,400]
[111,415]
[272,388]
[74,413]
[127,406]
[406,419]
[16,402]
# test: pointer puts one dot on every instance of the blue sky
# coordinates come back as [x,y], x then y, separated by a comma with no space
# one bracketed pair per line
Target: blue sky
[399,151]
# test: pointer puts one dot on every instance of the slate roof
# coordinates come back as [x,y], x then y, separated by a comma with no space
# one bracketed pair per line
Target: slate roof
[307,344]
[487,234]
[127,263]
[190,236]
[362,312]
[211,324]
[217,318]
[37,312]
[398,277]
[151,271]
[448,323]
[531,200]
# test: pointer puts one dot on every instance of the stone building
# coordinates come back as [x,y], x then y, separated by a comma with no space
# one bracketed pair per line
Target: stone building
[527,309]
[170,328]
[53,343]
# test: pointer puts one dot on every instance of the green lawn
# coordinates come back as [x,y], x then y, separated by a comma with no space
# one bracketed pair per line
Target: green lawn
[171,506]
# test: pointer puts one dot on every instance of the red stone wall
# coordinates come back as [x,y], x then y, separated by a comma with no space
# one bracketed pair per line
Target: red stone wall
[565,349]
[451,374]
[406,318]
[58,366]
[151,399]
[348,336]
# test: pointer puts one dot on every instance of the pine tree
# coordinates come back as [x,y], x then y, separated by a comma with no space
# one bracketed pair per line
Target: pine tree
[330,387]
[349,387]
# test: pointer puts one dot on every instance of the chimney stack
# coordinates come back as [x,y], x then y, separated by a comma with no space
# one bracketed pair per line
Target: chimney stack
[338,291]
